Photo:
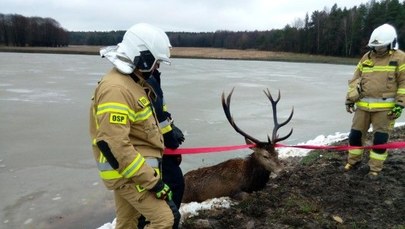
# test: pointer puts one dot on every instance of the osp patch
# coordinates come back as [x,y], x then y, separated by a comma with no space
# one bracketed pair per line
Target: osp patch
[118,118]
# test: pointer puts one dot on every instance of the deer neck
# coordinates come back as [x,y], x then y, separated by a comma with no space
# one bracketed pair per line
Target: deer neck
[256,176]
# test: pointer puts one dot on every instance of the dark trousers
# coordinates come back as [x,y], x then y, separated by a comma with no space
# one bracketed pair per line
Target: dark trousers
[172,176]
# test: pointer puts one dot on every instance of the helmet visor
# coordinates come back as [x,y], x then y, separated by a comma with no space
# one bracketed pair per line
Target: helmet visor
[380,50]
[146,61]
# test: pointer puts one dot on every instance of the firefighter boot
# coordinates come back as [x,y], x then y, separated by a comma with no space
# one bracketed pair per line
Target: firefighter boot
[376,162]
[375,169]
[354,158]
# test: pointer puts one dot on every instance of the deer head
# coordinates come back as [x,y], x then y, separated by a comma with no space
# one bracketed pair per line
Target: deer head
[264,152]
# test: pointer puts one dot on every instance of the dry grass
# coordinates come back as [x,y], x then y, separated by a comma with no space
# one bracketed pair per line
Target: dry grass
[206,53]
[73,49]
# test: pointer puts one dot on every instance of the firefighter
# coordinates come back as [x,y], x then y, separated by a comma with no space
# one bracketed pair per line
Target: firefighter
[376,95]
[173,138]
[127,141]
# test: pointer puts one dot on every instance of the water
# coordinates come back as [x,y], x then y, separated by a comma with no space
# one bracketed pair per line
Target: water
[48,176]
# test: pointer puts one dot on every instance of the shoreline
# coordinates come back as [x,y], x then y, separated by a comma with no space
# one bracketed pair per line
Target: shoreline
[199,53]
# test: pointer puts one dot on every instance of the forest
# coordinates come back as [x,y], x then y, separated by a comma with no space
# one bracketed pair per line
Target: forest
[21,31]
[332,31]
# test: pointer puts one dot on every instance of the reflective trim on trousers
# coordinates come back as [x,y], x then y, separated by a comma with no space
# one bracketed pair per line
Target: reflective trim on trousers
[356,152]
[378,156]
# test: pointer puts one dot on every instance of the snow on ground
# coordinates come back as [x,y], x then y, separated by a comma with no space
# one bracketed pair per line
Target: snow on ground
[318,141]
[191,208]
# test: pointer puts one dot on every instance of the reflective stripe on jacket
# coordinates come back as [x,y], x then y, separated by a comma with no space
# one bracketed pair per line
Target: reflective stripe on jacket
[107,172]
[382,81]
[373,104]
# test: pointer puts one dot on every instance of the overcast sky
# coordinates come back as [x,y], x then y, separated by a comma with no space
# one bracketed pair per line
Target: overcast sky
[172,15]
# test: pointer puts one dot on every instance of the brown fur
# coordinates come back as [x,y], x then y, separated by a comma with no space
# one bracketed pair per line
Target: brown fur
[230,178]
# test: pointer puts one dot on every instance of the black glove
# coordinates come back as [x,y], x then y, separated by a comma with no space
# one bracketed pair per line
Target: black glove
[178,135]
[162,191]
[350,107]
[170,141]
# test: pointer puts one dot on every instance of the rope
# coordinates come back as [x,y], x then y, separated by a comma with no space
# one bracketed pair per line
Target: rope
[197,150]
[206,149]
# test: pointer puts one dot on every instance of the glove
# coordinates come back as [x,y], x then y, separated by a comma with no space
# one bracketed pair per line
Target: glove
[395,112]
[178,134]
[162,191]
[350,107]
[170,141]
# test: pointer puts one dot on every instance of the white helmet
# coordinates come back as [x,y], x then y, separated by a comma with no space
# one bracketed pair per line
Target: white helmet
[382,36]
[142,46]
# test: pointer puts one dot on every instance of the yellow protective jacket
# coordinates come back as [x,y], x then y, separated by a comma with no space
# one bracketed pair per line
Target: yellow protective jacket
[121,115]
[380,81]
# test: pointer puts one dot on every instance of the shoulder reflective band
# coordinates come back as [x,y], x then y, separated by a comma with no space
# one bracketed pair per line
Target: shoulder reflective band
[141,115]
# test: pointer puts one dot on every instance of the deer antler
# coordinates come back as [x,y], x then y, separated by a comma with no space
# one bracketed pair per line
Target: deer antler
[226,104]
[274,137]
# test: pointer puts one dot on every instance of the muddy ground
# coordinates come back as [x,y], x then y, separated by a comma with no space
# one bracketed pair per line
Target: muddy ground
[313,192]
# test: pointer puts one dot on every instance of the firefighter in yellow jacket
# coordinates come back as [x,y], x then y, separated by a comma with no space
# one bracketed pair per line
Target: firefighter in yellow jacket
[127,141]
[376,95]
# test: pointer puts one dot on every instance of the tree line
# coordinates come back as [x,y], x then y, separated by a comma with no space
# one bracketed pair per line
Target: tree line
[332,31]
[18,30]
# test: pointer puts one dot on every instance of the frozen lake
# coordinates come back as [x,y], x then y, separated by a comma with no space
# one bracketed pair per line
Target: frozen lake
[47,172]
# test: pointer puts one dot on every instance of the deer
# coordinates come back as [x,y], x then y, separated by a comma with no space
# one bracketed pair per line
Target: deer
[237,177]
